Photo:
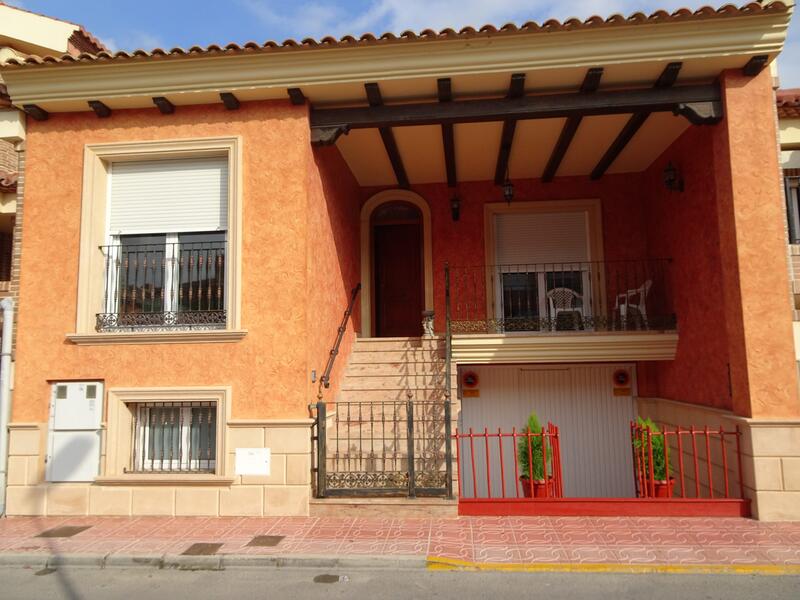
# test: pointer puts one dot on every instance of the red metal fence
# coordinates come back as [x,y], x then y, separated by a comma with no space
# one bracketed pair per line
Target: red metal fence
[476,453]
[660,455]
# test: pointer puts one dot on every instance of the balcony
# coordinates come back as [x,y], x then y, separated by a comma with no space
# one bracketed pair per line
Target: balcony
[164,287]
[562,312]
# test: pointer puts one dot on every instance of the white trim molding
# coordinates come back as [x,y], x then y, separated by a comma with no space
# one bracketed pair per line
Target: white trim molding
[566,347]
[366,250]
[267,75]
[94,213]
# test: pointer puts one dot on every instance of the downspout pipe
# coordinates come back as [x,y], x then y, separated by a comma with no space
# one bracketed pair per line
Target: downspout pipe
[7,306]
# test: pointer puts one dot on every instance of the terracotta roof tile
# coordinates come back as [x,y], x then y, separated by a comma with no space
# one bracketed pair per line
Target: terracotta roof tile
[572,24]
[80,40]
[8,182]
[788,102]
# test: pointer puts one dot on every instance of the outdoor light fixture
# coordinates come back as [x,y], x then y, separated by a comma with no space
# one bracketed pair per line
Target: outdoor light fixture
[508,189]
[672,179]
[455,207]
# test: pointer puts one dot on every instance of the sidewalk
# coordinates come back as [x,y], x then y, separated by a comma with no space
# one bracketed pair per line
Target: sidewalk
[507,543]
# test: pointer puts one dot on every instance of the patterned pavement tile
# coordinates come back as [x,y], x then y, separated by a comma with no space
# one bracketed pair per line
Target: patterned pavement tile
[554,554]
[406,547]
[784,555]
[497,554]
[590,554]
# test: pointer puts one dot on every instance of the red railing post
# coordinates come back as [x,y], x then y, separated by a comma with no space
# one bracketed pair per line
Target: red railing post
[530,459]
[693,431]
[739,460]
[458,463]
[666,454]
[651,470]
[708,462]
[680,461]
[724,461]
[516,464]
[544,463]
[502,467]
[472,460]
[488,460]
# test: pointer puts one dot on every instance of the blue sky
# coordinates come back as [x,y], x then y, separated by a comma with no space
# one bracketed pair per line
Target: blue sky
[168,23]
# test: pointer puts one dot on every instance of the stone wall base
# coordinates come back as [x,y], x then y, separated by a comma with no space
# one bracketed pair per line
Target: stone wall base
[770,454]
[285,492]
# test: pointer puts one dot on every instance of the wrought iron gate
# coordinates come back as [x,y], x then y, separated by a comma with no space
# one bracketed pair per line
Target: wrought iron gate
[388,448]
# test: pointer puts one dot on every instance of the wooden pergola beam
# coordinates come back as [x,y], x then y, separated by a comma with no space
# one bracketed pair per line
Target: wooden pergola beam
[36,112]
[445,93]
[375,100]
[100,109]
[165,106]
[699,102]
[230,100]
[516,89]
[755,65]
[590,84]
[665,81]
[296,96]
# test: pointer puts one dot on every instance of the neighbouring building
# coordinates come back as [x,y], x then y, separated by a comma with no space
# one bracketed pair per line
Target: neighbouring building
[297,277]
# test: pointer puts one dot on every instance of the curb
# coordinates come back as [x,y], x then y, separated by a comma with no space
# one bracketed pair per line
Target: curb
[222,562]
[218,562]
[451,564]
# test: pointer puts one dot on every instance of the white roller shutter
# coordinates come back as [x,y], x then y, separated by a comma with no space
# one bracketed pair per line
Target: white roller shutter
[169,196]
[541,237]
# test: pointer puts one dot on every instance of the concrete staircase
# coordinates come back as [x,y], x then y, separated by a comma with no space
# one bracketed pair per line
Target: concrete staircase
[391,368]
[383,369]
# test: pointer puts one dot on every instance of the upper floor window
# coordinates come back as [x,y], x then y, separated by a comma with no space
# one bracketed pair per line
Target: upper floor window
[165,251]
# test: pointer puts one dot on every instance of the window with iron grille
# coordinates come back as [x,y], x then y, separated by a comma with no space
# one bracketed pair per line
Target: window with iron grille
[165,257]
[174,437]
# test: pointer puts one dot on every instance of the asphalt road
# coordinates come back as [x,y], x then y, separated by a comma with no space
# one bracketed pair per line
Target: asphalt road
[301,584]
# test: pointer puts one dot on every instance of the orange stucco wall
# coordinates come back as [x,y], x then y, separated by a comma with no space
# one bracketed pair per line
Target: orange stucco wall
[753,243]
[285,189]
[462,242]
[333,261]
[683,226]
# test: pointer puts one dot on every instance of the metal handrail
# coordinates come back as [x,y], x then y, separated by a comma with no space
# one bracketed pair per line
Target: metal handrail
[325,380]
[448,366]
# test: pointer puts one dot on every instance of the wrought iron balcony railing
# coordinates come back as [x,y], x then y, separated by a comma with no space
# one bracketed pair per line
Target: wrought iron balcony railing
[164,286]
[561,297]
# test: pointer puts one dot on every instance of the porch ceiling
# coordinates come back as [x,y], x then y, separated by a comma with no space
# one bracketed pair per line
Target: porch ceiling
[417,155]
[477,146]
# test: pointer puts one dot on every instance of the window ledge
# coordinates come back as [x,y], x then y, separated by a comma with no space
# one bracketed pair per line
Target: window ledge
[157,337]
[165,479]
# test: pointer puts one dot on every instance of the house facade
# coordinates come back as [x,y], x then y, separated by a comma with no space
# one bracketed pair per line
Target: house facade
[269,279]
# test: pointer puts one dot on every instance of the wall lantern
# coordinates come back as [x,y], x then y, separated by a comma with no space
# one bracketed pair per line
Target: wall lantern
[508,188]
[672,178]
[455,207]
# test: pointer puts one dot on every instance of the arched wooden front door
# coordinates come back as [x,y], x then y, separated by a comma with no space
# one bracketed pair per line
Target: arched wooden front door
[398,290]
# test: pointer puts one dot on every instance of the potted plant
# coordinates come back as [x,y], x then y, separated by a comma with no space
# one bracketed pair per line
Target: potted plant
[663,483]
[530,448]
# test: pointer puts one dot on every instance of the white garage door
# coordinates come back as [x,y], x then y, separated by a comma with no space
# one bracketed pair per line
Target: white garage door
[593,422]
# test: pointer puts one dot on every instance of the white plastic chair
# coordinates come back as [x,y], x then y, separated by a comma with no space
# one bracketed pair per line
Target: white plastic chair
[626,299]
[562,300]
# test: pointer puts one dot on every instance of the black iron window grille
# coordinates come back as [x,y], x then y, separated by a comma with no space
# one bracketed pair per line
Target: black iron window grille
[792,189]
[157,282]
[174,437]
[564,296]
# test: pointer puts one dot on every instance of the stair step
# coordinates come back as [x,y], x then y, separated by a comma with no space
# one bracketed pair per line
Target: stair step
[383,507]
[392,382]
[394,368]
[377,344]
[384,395]
[404,356]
